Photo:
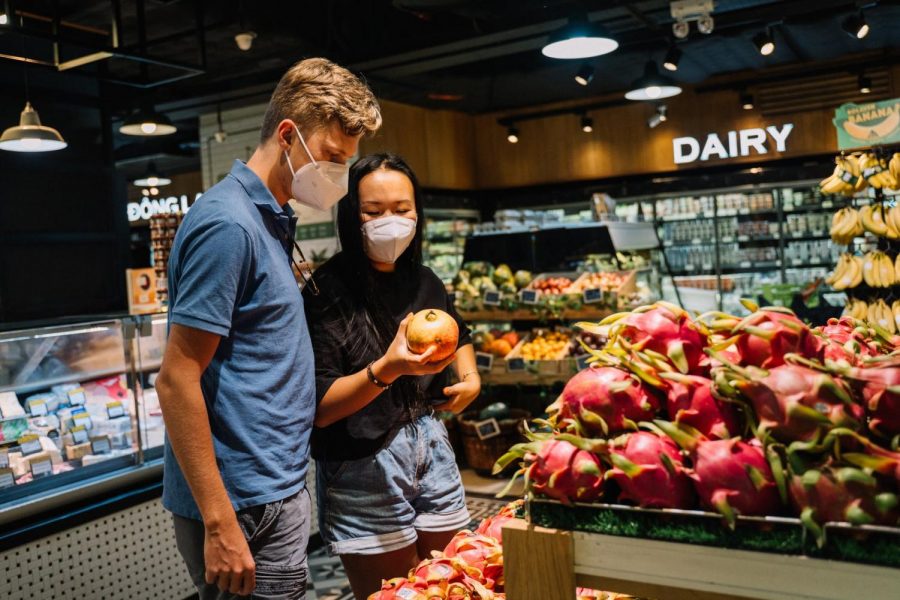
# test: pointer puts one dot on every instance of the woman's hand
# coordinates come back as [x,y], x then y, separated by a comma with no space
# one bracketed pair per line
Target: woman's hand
[461,394]
[399,360]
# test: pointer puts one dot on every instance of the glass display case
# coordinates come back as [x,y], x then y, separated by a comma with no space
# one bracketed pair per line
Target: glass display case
[445,240]
[77,404]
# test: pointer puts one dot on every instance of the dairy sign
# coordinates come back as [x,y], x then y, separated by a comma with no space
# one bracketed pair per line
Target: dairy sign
[869,124]
[150,207]
[733,144]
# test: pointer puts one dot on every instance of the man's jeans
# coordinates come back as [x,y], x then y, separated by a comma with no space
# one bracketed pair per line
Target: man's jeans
[277,534]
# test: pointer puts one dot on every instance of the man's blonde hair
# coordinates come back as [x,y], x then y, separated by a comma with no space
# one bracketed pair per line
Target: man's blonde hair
[316,92]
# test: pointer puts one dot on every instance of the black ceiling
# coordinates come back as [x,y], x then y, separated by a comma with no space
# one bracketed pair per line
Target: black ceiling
[487,52]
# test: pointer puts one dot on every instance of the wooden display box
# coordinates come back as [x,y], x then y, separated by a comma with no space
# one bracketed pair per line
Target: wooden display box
[538,367]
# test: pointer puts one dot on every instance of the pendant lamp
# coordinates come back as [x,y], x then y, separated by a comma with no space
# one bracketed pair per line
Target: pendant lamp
[652,85]
[30,136]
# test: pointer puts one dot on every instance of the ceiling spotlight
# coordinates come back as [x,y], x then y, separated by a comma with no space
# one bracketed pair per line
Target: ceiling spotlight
[30,136]
[147,123]
[244,40]
[585,74]
[856,26]
[673,55]
[652,85]
[587,124]
[152,178]
[4,20]
[658,117]
[580,39]
[681,29]
[764,42]
[154,191]
[747,101]
[865,84]
[705,24]
[512,135]
[145,192]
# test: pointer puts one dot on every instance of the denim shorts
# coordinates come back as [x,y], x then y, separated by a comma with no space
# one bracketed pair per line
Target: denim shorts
[377,504]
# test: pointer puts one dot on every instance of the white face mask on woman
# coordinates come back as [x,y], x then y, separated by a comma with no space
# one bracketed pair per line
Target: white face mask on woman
[318,184]
[386,238]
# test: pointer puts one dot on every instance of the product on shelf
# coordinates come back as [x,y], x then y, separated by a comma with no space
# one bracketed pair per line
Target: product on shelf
[496,342]
[608,282]
[585,341]
[162,236]
[552,285]
[774,416]
[550,345]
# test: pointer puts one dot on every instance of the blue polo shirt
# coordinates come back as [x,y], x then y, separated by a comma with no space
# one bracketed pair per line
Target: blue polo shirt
[230,274]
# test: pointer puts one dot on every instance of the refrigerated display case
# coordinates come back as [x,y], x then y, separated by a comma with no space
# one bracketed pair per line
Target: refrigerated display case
[445,240]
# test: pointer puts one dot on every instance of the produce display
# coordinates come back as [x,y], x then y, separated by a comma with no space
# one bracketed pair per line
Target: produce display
[549,345]
[495,342]
[469,568]
[854,173]
[607,282]
[476,278]
[553,286]
[584,342]
[756,416]
[432,327]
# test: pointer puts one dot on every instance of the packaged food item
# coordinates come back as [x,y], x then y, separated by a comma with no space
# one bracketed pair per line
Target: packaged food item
[10,406]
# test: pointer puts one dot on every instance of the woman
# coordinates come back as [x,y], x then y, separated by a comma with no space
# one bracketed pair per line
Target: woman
[388,486]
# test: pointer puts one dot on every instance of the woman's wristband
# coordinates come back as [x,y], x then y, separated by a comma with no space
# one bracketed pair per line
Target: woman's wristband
[466,375]
[375,380]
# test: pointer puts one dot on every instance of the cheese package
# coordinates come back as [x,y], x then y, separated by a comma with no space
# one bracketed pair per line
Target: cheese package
[42,404]
[12,429]
[78,451]
[21,464]
[44,425]
[10,406]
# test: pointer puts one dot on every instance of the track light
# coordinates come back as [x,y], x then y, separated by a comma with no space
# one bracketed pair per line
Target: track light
[764,42]
[587,124]
[512,135]
[705,24]
[681,29]
[580,39]
[652,85]
[673,55]
[585,74]
[865,84]
[658,117]
[4,20]
[244,40]
[856,26]
[747,101]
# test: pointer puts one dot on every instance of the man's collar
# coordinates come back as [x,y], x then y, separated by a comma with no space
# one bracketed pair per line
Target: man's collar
[259,194]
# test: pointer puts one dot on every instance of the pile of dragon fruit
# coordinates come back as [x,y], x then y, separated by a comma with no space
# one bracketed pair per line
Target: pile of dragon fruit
[752,416]
[469,568]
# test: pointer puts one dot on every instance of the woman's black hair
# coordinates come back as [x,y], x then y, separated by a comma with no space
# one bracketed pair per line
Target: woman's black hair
[364,283]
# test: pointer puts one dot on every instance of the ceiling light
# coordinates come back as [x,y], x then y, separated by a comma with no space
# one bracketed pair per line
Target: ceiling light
[747,101]
[30,136]
[705,24]
[4,20]
[152,178]
[147,123]
[587,124]
[585,74]
[865,84]
[681,29]
[244,40]
[658,117]
[856,26]
[512,135]
[145,192]
[652,85]
[670,62]
[764,42]
[154,191]
[579,39]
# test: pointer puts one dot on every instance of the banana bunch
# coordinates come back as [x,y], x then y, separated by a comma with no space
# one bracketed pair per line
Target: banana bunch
[846,179]
[876,172]
[879,271]
[845,226]
[894,166]
[858,309]
[848,273]
[880,220]
[878,311]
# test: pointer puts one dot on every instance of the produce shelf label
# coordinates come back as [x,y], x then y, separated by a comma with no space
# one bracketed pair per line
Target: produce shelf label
[528,296]
[41,467]
[484,361]
[30,444]
[100,445]
[37,408]
[115,410]
[7,478]
[592,296]
[515,365]
[868,124]
[79,434]
[487,429]
[582,362]
[492,298]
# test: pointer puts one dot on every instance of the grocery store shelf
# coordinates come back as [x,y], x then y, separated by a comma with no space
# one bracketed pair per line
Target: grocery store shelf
[535,315]
[752,267]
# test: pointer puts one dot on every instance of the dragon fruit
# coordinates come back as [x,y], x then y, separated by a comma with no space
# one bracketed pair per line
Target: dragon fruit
[879,389]
[604,400]
[402,588]
[867,454]
[493,526]
[793,402]
[763,338]
[650,472]
[845,341]
[731,476]
[690,400]
[665,331]
[480,552]
[558,468]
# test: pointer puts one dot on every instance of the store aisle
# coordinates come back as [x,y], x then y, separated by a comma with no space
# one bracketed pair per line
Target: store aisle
[329,581]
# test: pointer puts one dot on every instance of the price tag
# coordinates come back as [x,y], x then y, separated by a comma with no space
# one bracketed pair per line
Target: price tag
[696,241]
[688,267]
[707,267]
[727,240]
[491,298]
[30,444]
[37,407]
[743,238]
[41,467]
[82,419]
[76,397]
[515,365]
[487,429]
[582,362]
[746,264]
[100,445]
[827,204]
[592,296]
[79,435]
[528,296]
[484,361]
[4,458]
[115,410]
[7,478]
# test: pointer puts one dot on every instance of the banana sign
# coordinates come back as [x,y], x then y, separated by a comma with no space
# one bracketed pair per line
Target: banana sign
[869,124]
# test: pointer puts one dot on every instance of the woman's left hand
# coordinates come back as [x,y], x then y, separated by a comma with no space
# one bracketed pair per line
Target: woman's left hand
[461,395]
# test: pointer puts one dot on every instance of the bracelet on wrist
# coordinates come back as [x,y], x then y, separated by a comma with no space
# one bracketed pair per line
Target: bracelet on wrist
[374,380]
[466,375]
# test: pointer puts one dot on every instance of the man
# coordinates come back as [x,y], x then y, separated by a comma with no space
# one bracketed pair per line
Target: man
[237,385]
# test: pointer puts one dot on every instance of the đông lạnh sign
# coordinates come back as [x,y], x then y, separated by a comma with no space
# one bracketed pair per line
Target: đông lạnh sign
[869,124]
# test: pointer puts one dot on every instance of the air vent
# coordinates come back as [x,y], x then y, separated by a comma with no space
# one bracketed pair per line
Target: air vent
[820,92]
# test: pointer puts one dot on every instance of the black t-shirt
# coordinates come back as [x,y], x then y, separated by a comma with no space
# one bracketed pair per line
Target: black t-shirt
[343,345]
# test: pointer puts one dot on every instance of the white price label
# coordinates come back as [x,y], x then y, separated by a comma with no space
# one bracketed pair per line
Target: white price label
[743,238]
[484,361]
[37,408]
[744,211]
[529,296]
[688,267]
[827,204]
[82,419]
[746,264]
[727,239]
[77,397]
[100,445]
[115,410]
[41,467]
[707,267]
[7,478]
[79,435]
[696,241]
[30,444]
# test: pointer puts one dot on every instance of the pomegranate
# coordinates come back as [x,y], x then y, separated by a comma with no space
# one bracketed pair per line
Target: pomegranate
[432,327]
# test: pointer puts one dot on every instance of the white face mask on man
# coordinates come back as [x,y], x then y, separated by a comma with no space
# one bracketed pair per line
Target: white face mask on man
[318,184]
[386,238]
